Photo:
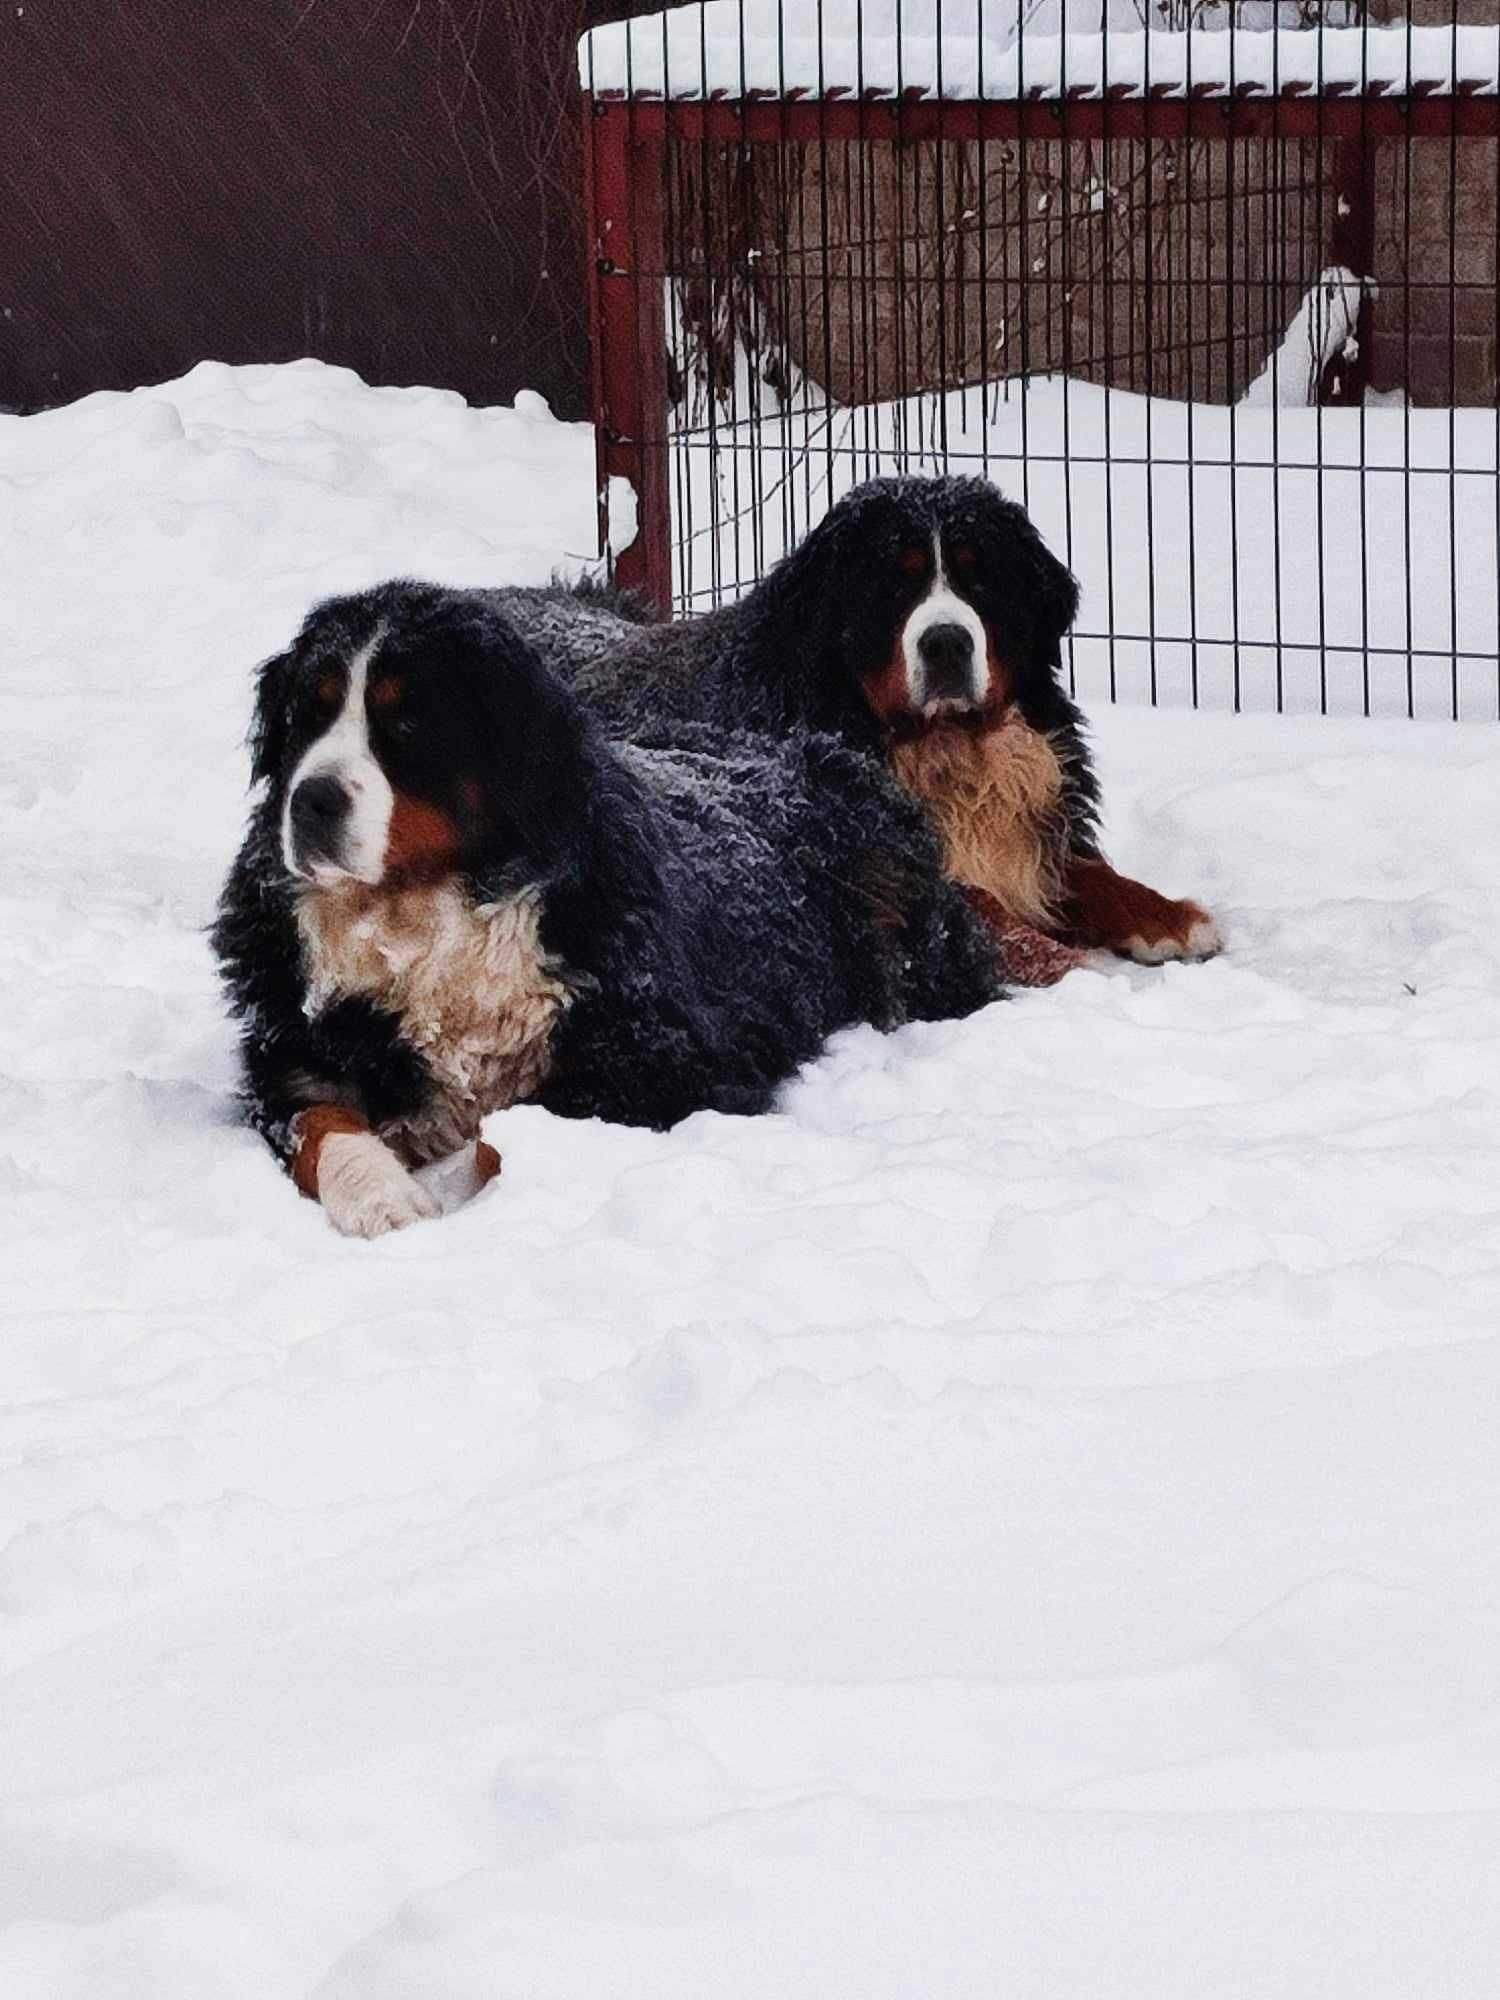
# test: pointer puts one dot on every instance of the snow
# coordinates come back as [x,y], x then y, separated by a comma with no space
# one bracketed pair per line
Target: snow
[971,49]
[1322,330]
[1021,1517]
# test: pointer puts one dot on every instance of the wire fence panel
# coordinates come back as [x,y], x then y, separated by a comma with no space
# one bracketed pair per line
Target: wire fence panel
[1214,294]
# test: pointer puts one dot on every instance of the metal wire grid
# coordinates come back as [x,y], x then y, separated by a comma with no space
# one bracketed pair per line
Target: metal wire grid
[1339,555]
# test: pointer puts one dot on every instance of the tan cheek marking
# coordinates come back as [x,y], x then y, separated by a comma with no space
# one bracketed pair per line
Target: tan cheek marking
[885,688]
[1000,685]
[311,1128]
[423,841]
[486,1163]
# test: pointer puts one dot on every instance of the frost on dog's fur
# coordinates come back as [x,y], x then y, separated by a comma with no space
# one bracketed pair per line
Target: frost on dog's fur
[633,932]
[915,620]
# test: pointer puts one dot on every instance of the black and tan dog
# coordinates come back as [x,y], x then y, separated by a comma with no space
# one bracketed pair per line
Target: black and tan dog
[456,892]
[923,620]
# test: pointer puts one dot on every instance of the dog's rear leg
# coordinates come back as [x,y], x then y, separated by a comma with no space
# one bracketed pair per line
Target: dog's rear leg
[1027,956]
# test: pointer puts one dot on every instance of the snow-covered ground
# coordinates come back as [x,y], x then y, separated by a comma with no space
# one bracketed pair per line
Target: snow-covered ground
[1024,1519]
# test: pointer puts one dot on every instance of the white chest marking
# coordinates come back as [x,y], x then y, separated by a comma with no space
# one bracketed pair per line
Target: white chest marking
[470,984]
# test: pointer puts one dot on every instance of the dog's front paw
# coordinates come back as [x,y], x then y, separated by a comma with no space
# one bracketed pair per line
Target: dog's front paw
[366,1190]
[1181,931]
[1103,909]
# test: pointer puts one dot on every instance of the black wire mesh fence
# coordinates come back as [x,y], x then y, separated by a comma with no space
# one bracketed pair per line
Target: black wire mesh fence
[1213,292]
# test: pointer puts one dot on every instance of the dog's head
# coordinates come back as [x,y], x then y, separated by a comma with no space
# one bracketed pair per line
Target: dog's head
[935,599]
[409,733]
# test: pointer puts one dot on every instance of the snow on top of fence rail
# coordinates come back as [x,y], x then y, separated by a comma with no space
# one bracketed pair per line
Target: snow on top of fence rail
[740,48]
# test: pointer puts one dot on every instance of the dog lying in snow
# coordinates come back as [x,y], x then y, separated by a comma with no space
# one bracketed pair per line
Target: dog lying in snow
[455,892]
[922,620]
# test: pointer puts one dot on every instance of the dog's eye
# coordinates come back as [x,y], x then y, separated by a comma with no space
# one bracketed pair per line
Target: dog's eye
[964,560]
[913,561]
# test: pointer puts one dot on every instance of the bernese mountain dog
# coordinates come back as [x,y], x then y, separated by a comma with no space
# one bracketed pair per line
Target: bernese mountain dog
[922,619]
[455,892]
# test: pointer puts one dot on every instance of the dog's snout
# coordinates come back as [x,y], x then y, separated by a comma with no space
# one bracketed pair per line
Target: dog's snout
[942,643]
[947,656]
[320,801]
[319,807]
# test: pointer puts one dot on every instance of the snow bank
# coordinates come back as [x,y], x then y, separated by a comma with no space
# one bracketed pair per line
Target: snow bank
[1028,1505]
[974,49]
[1323,329]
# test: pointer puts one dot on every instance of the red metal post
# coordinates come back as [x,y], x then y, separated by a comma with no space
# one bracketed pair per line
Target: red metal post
[627,314]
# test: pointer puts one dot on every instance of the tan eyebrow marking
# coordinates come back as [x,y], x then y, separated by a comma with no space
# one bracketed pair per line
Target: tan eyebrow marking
[386,692]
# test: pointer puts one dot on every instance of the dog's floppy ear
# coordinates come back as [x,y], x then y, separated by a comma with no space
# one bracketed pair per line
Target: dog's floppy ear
[1056,585]
[272,719]
[540,753]
[799,592]
[793,621]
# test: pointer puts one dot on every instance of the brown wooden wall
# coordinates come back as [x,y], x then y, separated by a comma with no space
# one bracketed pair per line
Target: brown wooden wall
[389,184]
[1170,268]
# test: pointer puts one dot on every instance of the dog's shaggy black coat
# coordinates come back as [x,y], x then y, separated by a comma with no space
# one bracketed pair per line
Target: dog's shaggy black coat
[796,650]
[715,905]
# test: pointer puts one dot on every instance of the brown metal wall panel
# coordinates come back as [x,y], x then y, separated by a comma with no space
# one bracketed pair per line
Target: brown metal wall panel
[395,187]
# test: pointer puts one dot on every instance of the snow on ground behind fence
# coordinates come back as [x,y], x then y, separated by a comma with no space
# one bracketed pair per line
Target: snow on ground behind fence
[1383,596]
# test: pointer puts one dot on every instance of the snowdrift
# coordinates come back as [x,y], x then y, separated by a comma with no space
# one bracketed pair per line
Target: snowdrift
[1024,1515]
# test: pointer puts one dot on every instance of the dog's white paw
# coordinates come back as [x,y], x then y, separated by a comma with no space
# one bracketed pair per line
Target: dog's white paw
[365,1189]
[1196,937]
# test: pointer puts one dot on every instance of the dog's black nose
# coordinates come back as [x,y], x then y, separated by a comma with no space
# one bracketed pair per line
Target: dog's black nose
[947,656]
[318,808]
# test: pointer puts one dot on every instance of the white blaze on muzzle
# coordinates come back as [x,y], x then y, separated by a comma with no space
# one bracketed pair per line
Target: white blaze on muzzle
[355,844]
[945,673]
